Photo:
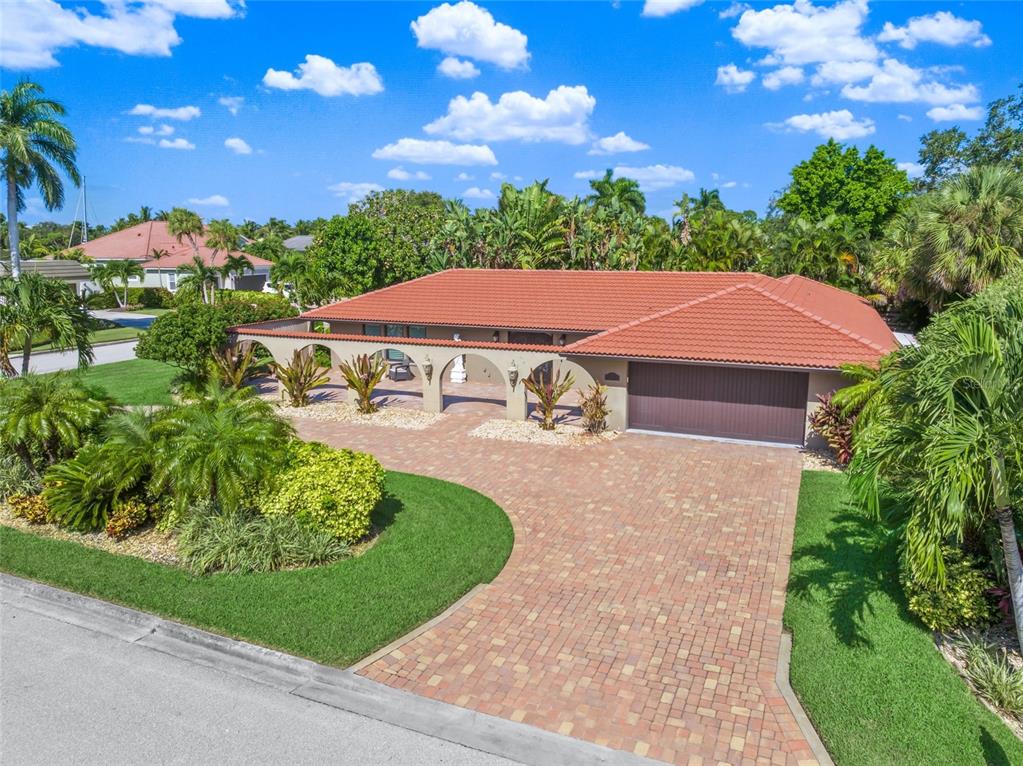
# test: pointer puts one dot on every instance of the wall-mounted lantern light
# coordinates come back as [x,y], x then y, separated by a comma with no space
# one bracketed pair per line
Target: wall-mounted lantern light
[428,368]
[561,340]
[513,375]
[497,336]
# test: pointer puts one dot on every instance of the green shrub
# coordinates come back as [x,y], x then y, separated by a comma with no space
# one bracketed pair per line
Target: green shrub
[961,603]
[31,508]
[146,297]
[15,478]
[126,516]
[82,491]
[329,490]
[210,541]
[994,677]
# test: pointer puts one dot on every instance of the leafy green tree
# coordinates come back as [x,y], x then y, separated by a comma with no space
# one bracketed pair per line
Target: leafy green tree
[36,148]
[862,190]
[344,259]
[828,250]
[405,224]
[47,418]
[719,239]
[297,270]
[269,248]
[186,226]
[625,190]
[35,306]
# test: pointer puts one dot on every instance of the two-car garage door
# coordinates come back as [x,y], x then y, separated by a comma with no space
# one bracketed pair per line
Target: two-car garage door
[733,402]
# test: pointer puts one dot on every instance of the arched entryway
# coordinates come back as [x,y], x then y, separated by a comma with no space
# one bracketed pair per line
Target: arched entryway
[473,382]
[332,391]
[557,369]
[402,383]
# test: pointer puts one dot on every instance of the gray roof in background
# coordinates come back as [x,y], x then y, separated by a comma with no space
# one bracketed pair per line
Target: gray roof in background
[299,242]
[69,271]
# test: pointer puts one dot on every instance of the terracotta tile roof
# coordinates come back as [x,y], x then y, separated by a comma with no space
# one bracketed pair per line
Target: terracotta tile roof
[741,318]
[138,242]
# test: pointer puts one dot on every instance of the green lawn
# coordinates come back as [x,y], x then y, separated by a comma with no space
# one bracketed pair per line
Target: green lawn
[152,312]
[135,381]
[107,335]
[438,541]
[866,670]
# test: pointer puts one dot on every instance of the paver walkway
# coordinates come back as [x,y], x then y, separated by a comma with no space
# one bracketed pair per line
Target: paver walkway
[641,607]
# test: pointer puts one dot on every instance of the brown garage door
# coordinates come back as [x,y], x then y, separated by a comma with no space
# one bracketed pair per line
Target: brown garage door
[766,405]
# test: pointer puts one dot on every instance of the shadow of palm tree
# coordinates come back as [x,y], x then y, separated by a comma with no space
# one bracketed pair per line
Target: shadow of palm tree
[994,753]
[385,512]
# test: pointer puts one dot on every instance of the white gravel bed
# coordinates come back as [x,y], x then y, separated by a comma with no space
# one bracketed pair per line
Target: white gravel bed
[820,460]
[529,431]
[345,412]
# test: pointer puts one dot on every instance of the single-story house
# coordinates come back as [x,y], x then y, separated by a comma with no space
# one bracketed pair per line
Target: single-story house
[71,272]
[736,355]
[160,254]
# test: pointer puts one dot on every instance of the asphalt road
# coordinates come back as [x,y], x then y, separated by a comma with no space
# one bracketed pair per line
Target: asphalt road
[71,695]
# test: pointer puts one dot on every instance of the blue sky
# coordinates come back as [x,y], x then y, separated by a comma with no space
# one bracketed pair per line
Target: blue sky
[720,94]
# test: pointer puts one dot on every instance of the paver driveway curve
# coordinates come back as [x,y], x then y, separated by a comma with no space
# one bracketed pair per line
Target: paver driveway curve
[641,606]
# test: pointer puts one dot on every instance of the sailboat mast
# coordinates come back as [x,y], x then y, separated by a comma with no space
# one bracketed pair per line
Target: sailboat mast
[85,212]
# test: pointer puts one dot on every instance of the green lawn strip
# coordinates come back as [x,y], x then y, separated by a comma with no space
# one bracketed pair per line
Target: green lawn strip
[108,335]
[867,672]
[438,541]
[134,381]
[157,312]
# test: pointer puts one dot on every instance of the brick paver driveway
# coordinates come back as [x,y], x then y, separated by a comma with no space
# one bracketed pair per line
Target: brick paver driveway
[641,607]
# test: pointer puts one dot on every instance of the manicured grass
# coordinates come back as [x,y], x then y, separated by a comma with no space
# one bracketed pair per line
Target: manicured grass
[107,335]
[135,381]
[438,541]
[866,670]
[152,312]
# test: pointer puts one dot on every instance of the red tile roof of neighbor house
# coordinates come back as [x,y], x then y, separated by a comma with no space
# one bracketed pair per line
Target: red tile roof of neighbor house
[138,242]
[741,318]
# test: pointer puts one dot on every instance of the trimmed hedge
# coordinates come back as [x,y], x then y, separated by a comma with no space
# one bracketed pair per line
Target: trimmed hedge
[145,297]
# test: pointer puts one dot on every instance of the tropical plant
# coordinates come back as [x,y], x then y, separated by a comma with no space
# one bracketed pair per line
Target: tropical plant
[835,426]
[123,270]
[47,418]
[362,374]
[548,388]
[126,516]
[15,478]
[32,508]
[993,675]
[300,376]
[222,237]
[83,491]
[237,364]
[200,277]
[37,147]
[593,405]
[293,269]
[156,255]
[35,306]
[185,225]
[625,191]
[961,602]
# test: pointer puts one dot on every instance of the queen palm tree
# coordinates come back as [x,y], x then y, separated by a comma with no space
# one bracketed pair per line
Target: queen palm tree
[625,190]
[158,254]
[36,147]
[124,270]
[201,277]
[185,225]
[292,268]
[34,306]
[222,237]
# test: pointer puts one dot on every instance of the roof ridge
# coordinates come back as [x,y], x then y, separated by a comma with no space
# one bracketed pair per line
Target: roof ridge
[385,289]
[817,318]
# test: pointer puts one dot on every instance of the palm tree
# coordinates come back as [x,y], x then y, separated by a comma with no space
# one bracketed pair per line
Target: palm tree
[291,268]
[222,237]
[184,225]
[947,435]
[221,446]
[158,254]
[36,147]
[201,277]
[123,270]
[34,306]
[46,418]
[625,190]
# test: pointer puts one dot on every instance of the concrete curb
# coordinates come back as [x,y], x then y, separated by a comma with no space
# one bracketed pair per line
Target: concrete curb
[788,693]
[334,687]
[102,344]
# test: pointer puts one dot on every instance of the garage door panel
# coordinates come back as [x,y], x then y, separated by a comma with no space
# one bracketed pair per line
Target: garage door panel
[767,405]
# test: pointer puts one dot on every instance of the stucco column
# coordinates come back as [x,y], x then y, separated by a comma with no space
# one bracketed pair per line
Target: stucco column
[618,403]
[516,402]
[433,398]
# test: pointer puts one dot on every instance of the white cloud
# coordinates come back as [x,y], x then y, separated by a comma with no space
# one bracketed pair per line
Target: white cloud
[475,192]
[617,144]
[657,8]
[896,82]
[238,145]
[728,185]
[955,112]
[913,169]
[353,192]
[562,116]
[735,9]
[400,174]
[843,72]
[942,28]
[214,200]
[323,76]
[653,177]
[423,152]
[585,175]
[733,79]
[464,177]
[498,176]
[181,113]
[802,33]
[839,124]
[176,143]
[787,75]
[458,69]
[233,104]
[465,29]
[905,118]
[33,31]
[158,130]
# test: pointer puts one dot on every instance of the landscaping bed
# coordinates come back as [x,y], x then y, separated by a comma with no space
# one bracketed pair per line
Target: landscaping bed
[529,431]
[436,541]
[868,673]
[345,412]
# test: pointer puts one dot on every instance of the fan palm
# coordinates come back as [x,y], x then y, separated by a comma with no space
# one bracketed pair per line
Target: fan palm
[46,418]
[35,305]
[36,148]
[625,190]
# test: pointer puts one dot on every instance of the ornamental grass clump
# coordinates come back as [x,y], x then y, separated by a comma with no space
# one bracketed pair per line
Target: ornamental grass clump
[362,374]
[993,676]
[327,490]
[548,390]
[300,376]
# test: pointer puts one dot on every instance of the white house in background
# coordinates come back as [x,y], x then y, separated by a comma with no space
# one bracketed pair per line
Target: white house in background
[145,241]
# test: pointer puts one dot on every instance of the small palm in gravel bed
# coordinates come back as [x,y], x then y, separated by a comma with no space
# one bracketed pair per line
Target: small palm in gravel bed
[362,374]
[548,390]
[300,376]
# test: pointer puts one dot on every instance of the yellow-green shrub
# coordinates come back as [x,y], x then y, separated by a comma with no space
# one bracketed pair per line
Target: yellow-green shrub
[127,515]
[961,603]
[32,508]
[327,489]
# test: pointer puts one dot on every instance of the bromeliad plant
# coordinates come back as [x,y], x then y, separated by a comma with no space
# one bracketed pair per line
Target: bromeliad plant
[236,365]
[300,376]
[548,390]
[362,374]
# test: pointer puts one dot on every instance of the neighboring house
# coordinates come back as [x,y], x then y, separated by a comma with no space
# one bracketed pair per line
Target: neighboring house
[71,272]
[139,242]
[714,354]
[300,242]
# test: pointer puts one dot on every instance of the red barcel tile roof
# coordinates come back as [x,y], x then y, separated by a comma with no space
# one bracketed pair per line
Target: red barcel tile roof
[138,242]
[741,318]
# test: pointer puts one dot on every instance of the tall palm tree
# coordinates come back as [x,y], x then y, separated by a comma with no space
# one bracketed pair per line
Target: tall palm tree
[35,306]
[124,270]
[222,237]
[158,254]
[36,147]
[292,269]
[200,276]
[185,225]
[625,190]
